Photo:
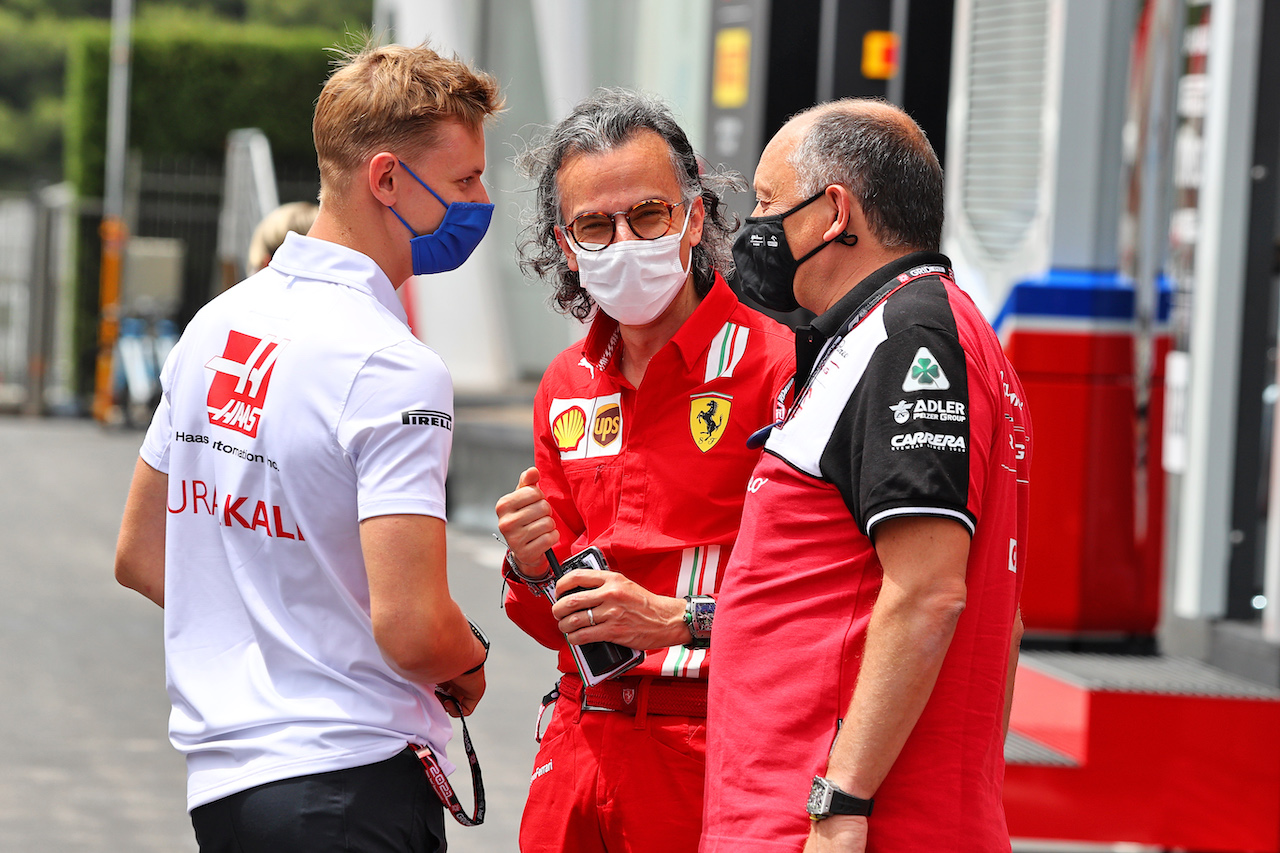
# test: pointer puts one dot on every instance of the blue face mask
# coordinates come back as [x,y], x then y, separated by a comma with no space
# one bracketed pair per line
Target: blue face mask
[448,247]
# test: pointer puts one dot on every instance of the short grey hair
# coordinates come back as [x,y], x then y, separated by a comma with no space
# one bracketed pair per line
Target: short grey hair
[607,120]
[886,163]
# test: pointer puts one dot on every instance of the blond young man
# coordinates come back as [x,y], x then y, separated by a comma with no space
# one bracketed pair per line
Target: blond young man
[287,510]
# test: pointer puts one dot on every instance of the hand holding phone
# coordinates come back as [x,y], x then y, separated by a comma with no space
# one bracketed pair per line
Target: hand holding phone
[601,660]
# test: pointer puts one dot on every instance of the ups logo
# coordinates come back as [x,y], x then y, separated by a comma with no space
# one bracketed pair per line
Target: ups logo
[607,424]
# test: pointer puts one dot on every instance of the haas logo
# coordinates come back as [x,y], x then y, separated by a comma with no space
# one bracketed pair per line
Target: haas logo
[241,376]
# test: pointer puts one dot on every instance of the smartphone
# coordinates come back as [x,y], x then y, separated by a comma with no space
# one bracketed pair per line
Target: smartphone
[602,660]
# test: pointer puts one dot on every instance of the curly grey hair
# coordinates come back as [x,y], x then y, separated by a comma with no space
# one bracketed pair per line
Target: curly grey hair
[603,122]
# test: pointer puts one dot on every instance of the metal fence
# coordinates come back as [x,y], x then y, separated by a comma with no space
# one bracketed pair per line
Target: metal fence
[50,255]
[181,198]
[35,318]
[17,232]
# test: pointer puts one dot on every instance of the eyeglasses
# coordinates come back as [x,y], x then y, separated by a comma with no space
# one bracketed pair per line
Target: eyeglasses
[648,220]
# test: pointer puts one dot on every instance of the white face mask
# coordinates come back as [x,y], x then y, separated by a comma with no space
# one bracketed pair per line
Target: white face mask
[633,281]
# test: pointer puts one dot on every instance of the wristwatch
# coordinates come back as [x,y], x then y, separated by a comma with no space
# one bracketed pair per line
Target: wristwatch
[825,800]
[484,641]
[699,611]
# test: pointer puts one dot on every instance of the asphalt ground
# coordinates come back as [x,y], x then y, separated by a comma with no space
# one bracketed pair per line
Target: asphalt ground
[86,761]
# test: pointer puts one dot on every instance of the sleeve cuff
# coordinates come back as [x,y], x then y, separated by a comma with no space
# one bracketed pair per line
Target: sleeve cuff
[402,506]
[937,511]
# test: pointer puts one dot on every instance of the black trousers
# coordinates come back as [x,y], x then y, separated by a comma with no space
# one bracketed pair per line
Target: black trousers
[386,807]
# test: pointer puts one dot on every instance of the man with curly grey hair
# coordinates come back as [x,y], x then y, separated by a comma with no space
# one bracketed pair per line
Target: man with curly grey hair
[641,451]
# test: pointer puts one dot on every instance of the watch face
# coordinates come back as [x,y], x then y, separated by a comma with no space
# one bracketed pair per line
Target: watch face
[700,612]
[820,798]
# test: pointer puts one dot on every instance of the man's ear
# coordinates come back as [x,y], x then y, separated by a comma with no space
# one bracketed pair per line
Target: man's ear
[570,258]
[844,204]
[697,214]
[382,177]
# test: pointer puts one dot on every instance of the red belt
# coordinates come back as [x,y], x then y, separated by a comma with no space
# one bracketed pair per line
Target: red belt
[639,695]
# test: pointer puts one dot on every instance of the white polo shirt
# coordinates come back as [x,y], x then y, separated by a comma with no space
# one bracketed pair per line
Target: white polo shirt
[296,404]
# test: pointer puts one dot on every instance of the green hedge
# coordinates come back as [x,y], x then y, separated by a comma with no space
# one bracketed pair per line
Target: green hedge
[190,85]
[32,60]
[192,81]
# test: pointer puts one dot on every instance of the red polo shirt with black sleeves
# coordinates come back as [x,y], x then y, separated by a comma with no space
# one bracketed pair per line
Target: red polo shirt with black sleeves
[912,411]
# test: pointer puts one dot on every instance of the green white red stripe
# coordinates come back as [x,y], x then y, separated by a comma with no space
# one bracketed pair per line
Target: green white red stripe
[698,569]
[727,348]
[684,663]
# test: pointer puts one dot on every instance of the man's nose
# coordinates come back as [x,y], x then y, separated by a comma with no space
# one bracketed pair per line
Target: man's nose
[622,228]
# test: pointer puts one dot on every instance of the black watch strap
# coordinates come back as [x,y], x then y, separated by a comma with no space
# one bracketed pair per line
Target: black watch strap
[825,800]
[484,641]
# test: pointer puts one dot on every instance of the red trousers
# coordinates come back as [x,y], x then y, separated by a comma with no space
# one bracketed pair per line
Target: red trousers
[609,782]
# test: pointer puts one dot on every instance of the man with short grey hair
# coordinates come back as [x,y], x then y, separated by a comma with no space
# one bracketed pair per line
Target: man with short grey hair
[641,451]
[869,618]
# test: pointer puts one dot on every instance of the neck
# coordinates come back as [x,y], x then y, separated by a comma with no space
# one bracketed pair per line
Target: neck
[641,343]
[363,234]
[845,276]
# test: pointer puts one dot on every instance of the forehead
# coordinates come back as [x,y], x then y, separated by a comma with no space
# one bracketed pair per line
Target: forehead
[457,144]
[775,171]
[638,169]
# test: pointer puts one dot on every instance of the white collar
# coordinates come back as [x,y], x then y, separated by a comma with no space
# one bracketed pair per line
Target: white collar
[308,257]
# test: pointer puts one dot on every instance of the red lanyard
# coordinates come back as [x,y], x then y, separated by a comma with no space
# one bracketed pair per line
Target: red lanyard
[800,384]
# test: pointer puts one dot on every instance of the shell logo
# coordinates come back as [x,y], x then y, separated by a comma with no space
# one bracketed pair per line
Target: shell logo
[569,428]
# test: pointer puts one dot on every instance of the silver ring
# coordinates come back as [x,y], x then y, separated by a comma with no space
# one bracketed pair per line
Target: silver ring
[591,616]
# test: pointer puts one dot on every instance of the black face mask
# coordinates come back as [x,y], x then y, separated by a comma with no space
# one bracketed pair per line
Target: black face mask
[766,267]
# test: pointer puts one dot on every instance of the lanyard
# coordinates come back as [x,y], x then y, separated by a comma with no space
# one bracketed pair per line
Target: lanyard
[801,390]
[868,305]
[444,791]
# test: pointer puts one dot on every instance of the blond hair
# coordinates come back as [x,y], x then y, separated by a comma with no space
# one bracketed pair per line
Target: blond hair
[393,98]
[295,216]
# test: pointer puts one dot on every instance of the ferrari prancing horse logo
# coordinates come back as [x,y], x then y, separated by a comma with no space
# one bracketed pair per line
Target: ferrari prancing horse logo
[708,416]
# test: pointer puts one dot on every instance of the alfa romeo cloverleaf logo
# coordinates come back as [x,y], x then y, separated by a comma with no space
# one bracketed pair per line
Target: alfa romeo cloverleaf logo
[925,373]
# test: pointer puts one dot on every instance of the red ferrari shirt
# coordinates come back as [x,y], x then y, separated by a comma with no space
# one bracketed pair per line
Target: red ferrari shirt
[914,410]
[655,476]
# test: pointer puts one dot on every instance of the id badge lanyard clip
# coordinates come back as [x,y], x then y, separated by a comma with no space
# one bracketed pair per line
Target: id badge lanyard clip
[440,783]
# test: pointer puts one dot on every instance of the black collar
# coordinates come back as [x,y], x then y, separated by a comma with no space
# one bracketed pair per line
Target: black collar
[850,308]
